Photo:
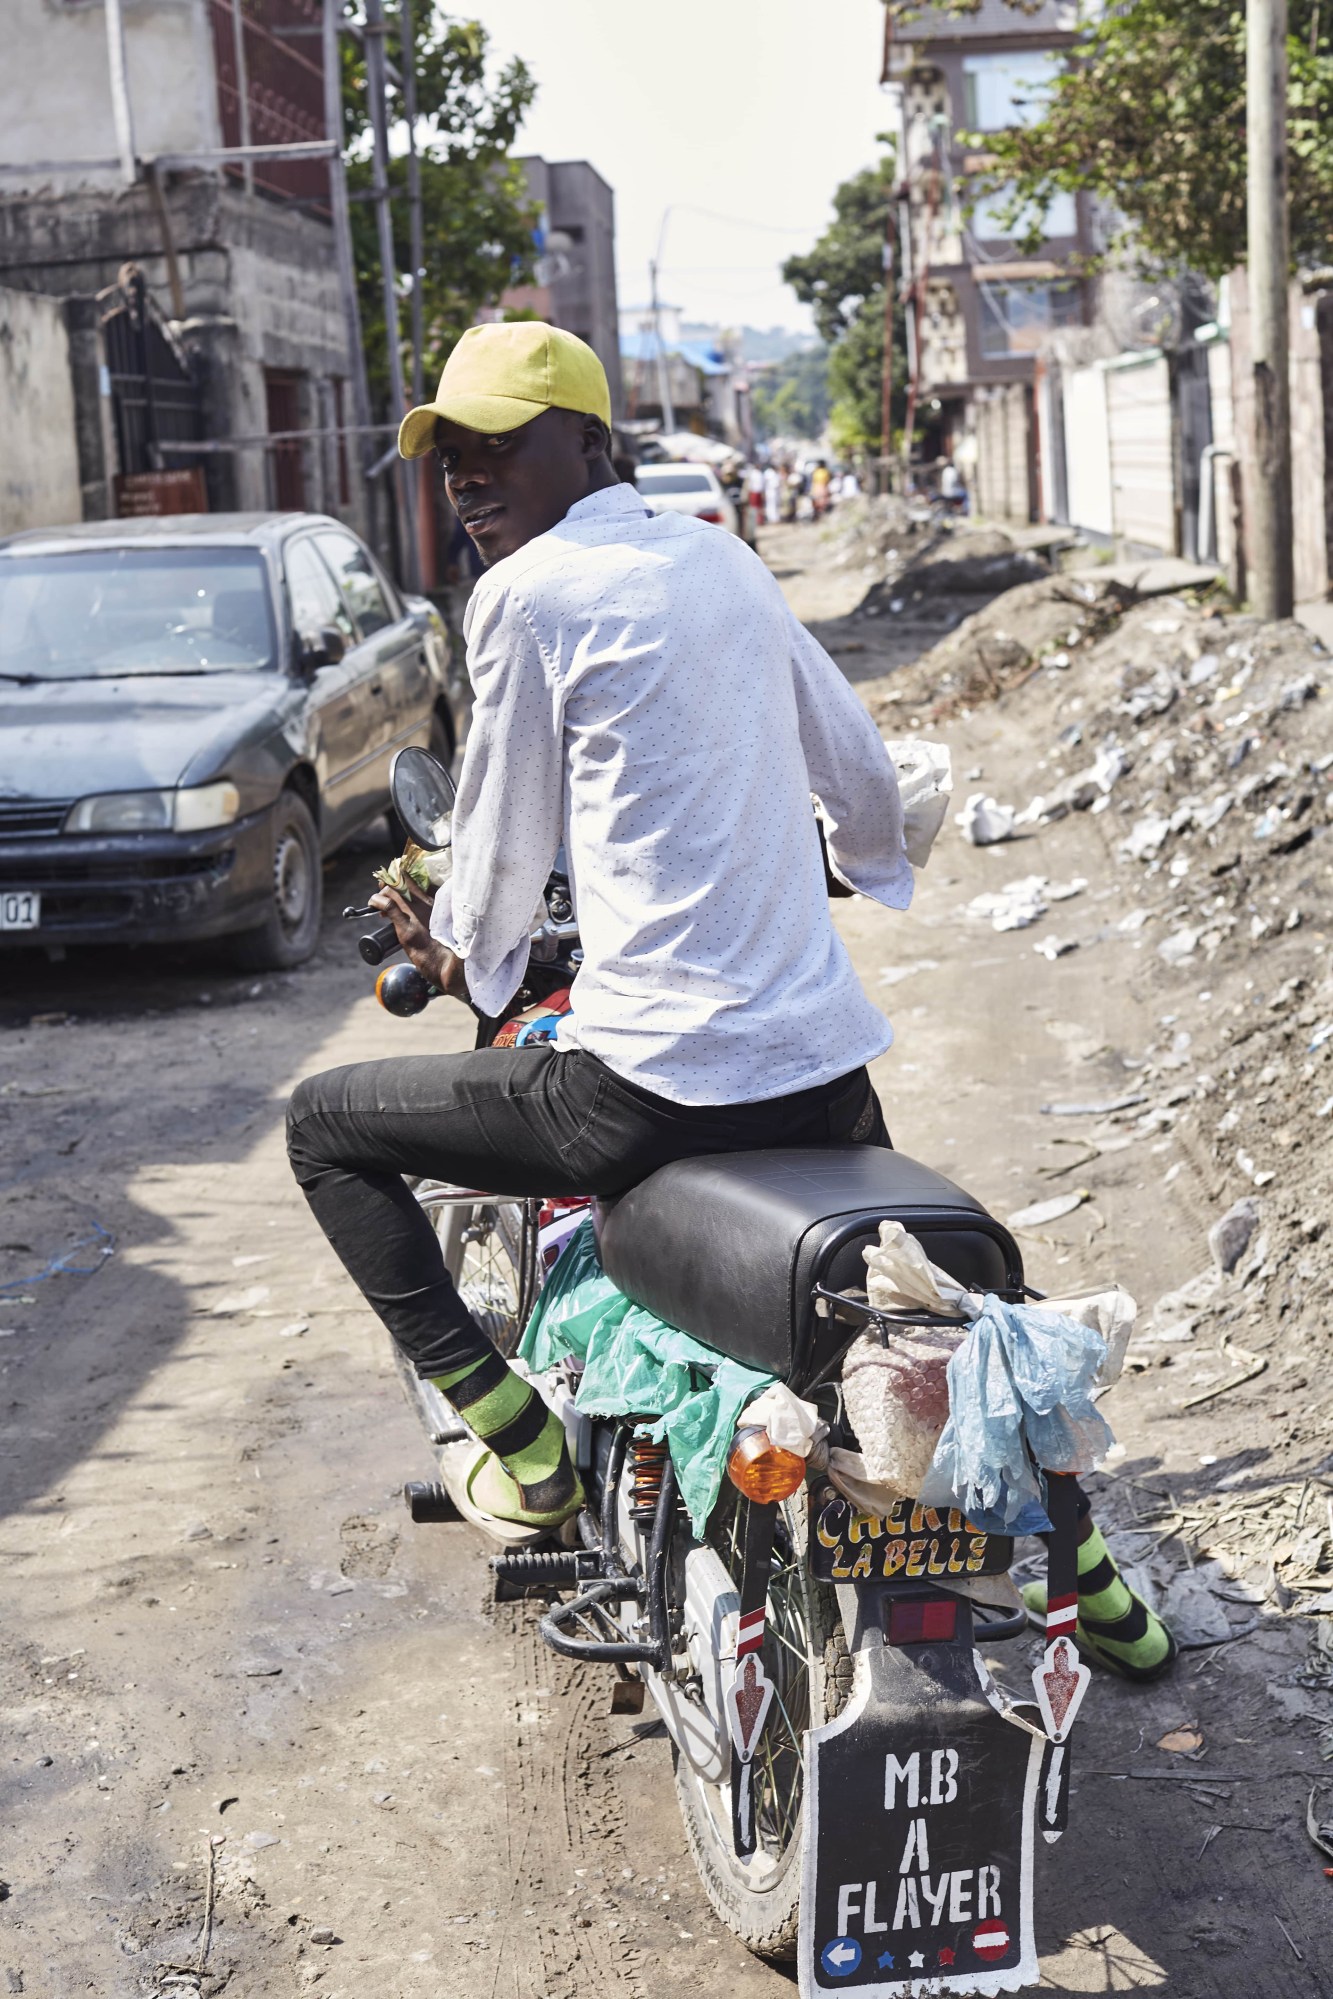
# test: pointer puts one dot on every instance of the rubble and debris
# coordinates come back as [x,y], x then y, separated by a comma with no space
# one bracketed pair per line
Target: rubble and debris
[1229,1238]
[1052,1210]
[1020,903]
[984,822]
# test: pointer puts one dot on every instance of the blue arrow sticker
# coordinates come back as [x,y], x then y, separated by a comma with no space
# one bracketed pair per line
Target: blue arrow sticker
[841,1957]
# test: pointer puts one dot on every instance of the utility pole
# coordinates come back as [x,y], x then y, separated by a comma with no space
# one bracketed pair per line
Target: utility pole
[120,92]
[911,329]
[379,118]
[413,203]
[423,470]
[886,397]
[663,365]
[1269,541]
[342,220]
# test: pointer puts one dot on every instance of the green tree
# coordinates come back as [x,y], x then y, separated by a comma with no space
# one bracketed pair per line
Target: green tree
[477,216]
[1150,115]
[842,280]
[793,399]
[846,265]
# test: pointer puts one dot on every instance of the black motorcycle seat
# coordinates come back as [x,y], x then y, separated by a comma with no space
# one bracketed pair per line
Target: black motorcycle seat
[730,1247]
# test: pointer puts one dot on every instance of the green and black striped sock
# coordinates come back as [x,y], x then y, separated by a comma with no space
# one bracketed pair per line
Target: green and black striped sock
[508,1415]
[1118,1625]
[1115,1627]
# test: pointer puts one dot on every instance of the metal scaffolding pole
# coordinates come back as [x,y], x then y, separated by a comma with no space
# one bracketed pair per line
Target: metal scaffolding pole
[377,87]
[342,220]
[242,90]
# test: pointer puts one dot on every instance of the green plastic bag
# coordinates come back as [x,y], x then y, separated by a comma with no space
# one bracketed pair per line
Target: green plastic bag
[635,1364]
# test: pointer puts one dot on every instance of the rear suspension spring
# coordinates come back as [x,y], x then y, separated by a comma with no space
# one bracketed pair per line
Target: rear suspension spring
[647,1464]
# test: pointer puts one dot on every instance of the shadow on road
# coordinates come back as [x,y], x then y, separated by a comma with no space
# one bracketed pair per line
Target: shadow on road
[123,1067]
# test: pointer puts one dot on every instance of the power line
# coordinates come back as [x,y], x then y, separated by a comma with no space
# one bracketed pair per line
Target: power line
[742,222]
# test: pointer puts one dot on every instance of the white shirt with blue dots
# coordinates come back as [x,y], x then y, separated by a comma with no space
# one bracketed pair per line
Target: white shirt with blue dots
[644,693]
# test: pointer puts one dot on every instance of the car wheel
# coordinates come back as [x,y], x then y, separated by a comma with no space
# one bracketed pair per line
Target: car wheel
[288,933]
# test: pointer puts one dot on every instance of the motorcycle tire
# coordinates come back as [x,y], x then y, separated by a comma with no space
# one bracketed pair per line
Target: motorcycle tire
[805,1654]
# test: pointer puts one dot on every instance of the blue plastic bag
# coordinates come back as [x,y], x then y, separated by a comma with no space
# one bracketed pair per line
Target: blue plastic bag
[1020,1389]
[635,1364]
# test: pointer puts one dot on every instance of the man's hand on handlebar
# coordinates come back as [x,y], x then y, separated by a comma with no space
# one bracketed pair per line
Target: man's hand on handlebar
[411,920]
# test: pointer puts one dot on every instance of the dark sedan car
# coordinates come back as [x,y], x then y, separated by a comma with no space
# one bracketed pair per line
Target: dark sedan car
[192,712]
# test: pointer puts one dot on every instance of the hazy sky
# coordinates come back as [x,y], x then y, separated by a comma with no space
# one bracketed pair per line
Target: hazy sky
[752,110]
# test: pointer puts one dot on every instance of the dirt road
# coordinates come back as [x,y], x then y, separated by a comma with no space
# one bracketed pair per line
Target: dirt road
[262,1736]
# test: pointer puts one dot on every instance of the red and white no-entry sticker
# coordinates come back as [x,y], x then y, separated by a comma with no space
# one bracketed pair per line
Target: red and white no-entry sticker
[991,1940]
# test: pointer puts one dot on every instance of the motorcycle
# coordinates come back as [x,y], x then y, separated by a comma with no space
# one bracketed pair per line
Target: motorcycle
[857,1791]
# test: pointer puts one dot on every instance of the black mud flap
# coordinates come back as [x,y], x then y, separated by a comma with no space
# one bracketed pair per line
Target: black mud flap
[920,1822]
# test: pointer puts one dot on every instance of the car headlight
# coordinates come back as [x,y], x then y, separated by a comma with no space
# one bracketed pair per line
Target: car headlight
[195,810]
[204,806]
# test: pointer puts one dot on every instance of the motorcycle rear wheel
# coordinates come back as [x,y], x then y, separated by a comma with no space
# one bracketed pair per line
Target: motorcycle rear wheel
[805,1656]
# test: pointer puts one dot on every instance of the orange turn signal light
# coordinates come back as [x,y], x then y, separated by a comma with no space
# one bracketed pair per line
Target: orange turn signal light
[762,1470]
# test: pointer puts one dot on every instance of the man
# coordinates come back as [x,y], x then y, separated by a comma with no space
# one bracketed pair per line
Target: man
[642,693]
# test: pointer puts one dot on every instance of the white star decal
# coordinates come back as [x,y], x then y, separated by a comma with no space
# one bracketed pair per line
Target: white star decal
[917,1960]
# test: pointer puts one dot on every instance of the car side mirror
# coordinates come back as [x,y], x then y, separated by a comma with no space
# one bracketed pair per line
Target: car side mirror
[324,647]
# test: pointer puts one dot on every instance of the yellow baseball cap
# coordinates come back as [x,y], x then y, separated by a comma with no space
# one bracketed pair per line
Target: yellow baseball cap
[501,376]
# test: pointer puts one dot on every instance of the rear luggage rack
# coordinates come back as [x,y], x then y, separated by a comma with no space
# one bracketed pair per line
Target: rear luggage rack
[856,1302]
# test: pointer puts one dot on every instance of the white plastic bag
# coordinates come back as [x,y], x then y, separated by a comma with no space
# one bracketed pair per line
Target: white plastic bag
[925,785]
[792,1424]
[902,1278]
[1111,1313]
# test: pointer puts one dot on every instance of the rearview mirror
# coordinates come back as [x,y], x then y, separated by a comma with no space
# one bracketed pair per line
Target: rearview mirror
[324,647]
[423,797]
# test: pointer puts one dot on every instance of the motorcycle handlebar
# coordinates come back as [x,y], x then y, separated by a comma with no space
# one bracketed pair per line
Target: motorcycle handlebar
[377,945]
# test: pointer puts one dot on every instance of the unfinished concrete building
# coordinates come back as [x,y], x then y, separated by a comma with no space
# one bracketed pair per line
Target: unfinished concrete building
[200,298]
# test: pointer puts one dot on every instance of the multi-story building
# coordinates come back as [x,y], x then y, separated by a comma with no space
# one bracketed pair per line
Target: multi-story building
[199,298]
[981,306]
[575,283]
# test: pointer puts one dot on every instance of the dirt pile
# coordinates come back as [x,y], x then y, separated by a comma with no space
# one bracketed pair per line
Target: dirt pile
[910,553]
[1202,744]
[1047,618]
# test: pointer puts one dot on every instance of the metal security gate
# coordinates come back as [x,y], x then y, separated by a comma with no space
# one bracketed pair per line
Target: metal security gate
[154,398]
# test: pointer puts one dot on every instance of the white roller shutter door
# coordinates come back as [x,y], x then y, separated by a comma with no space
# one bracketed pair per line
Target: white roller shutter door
[1138,407]
[1088,450]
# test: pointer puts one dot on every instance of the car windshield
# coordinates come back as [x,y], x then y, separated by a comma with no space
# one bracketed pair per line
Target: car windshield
[649,480]
[102,612]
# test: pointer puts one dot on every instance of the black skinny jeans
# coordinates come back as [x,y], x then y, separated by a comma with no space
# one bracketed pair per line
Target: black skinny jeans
[516,1122]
